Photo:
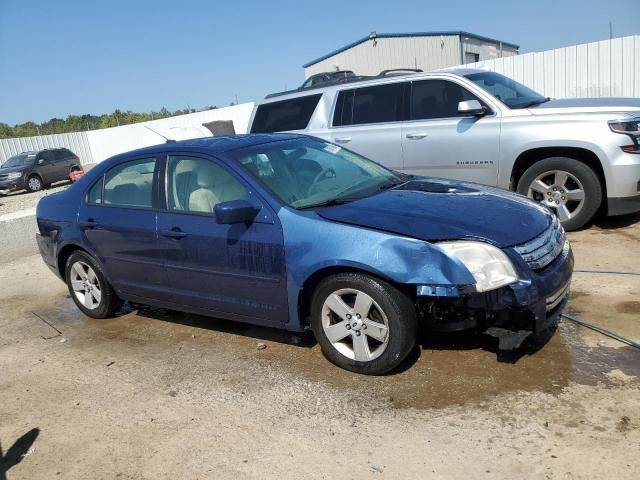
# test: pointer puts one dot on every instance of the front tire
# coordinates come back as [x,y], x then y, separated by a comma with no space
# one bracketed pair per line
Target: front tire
[34,183]
[89,287]
[569,187]
[363,324]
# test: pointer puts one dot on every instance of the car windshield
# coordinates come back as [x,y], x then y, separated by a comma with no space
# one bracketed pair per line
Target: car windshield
[508,91]
[307,172]
[19,161]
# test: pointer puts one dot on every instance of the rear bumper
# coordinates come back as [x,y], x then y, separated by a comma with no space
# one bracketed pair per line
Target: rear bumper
[46,248]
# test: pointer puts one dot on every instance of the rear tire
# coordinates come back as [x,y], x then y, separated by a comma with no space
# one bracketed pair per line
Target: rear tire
[566,185]
[363,324]
[34,183]
[89,287]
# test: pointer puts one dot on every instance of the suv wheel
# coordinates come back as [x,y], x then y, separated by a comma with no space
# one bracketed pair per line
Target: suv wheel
[363,324]
[567,186]
[34,183]
[89,288]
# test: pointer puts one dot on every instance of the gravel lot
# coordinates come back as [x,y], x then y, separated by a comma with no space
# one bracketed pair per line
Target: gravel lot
[23,200]
[157,394]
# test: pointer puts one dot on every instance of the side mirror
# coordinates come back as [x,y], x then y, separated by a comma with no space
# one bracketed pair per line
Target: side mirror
[235,211]
[471,107]
[41,161]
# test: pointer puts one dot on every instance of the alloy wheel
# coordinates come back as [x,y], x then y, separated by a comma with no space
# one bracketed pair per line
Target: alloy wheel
[559,190]
[355,325]
[85,285]
[35,184]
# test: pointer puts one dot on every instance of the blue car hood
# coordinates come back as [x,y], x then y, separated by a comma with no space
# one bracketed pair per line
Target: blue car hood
[433,209]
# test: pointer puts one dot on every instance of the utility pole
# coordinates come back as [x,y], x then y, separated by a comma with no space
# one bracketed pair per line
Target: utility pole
[610,29]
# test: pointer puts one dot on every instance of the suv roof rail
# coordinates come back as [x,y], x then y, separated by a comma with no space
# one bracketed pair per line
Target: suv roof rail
[347,80]
[399,71]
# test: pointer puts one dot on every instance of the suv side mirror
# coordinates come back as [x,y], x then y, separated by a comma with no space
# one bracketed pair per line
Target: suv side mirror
[471,107]
[236,211]
[41,161]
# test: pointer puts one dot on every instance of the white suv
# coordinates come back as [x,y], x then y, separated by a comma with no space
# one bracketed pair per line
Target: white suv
[575,155]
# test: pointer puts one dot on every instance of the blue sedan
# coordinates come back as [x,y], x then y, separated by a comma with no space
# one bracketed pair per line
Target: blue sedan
[293,232]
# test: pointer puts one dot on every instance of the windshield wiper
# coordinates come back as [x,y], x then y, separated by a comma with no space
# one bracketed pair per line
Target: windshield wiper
[535,103]
[328,203]
[392,182]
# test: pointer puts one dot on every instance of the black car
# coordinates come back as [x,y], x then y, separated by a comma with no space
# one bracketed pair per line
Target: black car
[34,170]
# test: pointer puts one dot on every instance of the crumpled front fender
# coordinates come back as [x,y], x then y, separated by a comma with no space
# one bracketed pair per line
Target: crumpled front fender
[313,244]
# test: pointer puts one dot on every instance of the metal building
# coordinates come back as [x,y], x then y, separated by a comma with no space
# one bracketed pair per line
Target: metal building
[424,50]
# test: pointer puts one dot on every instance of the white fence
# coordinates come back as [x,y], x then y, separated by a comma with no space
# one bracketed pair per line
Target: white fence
[610,68]
[77,142]
[97,145]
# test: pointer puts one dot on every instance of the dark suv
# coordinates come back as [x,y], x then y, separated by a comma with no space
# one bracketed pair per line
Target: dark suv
[34,170]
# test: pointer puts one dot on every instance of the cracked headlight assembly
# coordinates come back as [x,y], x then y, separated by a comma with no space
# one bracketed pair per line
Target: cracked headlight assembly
[489,265]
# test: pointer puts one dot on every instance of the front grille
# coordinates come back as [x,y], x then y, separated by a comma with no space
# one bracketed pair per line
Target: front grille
[544,249]
[4,176]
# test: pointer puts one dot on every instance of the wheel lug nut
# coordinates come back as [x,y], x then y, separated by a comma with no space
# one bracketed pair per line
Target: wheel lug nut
[348,327]
[348,316]
[358,316]
[364,327]
[564,198]
[357,334]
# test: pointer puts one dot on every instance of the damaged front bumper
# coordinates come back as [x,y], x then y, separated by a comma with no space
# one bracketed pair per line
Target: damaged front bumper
[529,307]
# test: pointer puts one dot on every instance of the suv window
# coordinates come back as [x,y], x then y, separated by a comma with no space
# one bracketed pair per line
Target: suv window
[291,114]
[47,156]
[60,155]
[437,99]
[198,185]
[377,104]
[130,184]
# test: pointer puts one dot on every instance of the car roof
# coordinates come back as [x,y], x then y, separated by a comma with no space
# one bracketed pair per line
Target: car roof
[213,145]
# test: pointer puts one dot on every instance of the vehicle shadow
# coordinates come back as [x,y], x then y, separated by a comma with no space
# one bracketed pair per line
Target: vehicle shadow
[16,452]
[270,334]
[468,340]
[609,223]
[471,340]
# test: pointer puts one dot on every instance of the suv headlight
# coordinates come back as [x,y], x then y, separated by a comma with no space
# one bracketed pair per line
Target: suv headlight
[13,175]
[489,265]
[628,126]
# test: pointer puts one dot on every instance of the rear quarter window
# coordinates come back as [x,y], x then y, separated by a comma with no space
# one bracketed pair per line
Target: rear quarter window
[285,115]
[373,104]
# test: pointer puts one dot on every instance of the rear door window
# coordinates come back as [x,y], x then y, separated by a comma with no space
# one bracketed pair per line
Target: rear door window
[130,184]
[60,155]
[376,104]
[285,115]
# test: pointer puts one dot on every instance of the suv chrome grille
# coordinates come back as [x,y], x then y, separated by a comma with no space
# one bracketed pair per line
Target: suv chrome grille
[545,248]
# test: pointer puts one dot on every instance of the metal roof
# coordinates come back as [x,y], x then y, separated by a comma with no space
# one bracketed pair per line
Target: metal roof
[458,33]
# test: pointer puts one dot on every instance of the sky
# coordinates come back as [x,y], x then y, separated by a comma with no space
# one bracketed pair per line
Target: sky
[81,56]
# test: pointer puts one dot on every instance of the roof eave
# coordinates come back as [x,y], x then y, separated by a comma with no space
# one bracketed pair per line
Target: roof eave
[459,33]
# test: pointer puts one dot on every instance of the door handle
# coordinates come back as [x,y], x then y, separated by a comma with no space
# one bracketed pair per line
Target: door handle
[342,139]
[89,224]
[175,232]
[416,136]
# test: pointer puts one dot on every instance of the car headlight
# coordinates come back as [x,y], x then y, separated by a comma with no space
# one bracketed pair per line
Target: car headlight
[13,175]
[629,126]
[489,265]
